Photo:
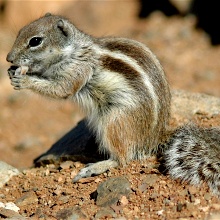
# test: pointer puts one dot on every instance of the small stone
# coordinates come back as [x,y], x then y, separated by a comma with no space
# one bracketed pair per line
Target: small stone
[136,209]
[58,191]
[183,192]
[105,213]
[143,187]
[64,199]
[66,165]
[2,196]
[179,207]
[60,179]
[193,190]
[86,180]
[110,191]
[216,206]
[6,172]
[117,208]
[192,198]
[12,206]
[190,206]
[46,172]
[74,213]
[150,179]
[7,213]
[213,216]
[40,214]
[27,199]
[197,201]
[160,212]
[204,209]
[207,196]
[124,200]
[73,174]
[98,180]
[27,143]
[77,164]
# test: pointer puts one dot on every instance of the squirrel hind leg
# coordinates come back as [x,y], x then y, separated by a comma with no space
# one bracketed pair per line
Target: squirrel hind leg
[95,169]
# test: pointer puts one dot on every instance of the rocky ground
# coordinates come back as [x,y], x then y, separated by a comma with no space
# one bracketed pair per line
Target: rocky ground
[31,124]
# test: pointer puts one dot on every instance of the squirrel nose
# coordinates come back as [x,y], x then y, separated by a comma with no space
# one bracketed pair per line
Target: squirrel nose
[9,58]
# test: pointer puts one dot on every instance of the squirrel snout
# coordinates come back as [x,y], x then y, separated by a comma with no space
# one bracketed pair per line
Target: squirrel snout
[10,58]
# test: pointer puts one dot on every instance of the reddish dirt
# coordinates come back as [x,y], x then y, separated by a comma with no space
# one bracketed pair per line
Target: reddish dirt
[31,124]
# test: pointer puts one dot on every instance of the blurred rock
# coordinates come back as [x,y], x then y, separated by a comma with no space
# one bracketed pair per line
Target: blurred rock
[186,104]
[74,213]
[9,214]
[105,213]
[27,142]
[27,199]
[6,172]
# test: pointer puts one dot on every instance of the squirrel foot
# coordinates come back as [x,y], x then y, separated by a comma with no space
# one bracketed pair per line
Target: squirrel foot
[95,169]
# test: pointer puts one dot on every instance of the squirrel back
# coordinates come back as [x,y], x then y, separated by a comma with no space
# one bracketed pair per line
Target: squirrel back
[122,88]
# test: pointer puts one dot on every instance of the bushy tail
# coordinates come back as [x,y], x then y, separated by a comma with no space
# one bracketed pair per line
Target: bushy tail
[193,155]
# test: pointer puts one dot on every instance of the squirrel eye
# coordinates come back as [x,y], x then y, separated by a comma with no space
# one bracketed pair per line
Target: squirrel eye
[35,41]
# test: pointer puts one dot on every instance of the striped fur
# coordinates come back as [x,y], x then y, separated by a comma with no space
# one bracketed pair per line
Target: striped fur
[119,83]
[137,83]
[193,155]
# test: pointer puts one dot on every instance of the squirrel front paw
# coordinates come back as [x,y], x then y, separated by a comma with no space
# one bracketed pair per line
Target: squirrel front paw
[19,81]
[11,71]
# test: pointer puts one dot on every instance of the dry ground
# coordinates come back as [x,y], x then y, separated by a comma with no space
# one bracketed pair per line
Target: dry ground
[30,125]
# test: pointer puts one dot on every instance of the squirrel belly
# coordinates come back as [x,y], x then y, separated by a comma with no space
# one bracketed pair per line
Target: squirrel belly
[121,86]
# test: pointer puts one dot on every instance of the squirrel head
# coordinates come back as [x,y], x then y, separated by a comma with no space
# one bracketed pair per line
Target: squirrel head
[44,42]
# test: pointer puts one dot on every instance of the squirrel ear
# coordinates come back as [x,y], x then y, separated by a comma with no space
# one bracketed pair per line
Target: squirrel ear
[63,27]
[47,14]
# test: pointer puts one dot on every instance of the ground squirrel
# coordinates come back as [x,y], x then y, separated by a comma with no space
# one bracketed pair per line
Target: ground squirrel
[122,88]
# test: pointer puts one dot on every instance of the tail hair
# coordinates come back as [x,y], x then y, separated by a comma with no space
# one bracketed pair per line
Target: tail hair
[193,155]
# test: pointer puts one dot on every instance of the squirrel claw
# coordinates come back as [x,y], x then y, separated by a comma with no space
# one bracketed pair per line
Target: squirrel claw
[19,81]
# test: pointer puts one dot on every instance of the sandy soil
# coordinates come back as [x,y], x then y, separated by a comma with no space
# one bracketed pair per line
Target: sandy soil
[31,124]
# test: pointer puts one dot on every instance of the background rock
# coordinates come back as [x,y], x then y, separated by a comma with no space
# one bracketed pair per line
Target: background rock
[6,172]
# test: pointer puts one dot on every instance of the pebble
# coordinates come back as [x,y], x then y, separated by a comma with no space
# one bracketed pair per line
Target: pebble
[86,180]
[150,179]
[66,165]
[2,196]
[179,207]
[27,143]
[27,199]
[64,199]
[73,174]
[12,206]
[9,214]
[74,213]
[216,206]
[192,198]
[193,190]
[197,201]
[111,191]
[214,216]
[207,196]
[143,187]
[105,213]
[6,172]
[124,200]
